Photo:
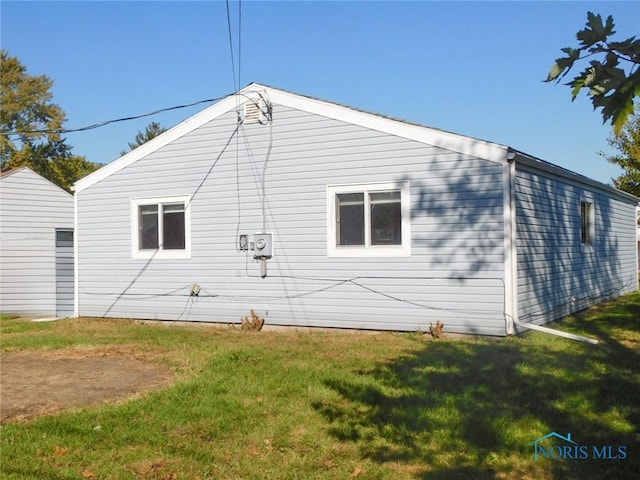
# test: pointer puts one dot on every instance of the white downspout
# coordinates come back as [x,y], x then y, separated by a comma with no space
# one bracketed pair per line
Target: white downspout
[510,253]
[76,275]
[571,336]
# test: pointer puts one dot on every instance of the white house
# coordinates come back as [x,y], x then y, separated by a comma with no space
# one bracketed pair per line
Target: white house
[36,245]
[317,214]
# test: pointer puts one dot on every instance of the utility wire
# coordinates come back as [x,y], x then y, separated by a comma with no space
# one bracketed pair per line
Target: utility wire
[239,40]
[334,283]
[123,119]
[224,149]
[233,64]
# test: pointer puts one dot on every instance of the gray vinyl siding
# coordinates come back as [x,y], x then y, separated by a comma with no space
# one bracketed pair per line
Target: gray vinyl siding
[455,273]
[557,274]
[31,208]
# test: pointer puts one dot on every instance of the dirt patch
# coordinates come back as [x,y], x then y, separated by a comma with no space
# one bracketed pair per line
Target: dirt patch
[34,383]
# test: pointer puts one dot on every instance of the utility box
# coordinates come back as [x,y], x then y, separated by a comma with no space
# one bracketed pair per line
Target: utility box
[262,245]
[243,242]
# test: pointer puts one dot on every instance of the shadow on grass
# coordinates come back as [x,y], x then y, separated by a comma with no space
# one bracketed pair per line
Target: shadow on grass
[469,409]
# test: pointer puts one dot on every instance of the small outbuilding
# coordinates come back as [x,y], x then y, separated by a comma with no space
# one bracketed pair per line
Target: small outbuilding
[317,214]
[36,245]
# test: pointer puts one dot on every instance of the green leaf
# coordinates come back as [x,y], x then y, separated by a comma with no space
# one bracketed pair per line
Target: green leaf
[554,72]
[610,88]
[608,29]
[629,48]
[590,76]
[597,90]
[562,64]
[615,78]
[620,119]
[573,53]
[595,22]
[577,84]
[595,31]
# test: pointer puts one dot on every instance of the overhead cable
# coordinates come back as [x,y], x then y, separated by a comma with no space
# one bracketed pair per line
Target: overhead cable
[239,41]
[233,64]
[123,119]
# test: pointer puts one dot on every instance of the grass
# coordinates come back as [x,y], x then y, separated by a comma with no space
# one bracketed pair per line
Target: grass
[334,406]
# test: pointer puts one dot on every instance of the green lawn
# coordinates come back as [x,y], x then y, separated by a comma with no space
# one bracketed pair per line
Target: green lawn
[320,405]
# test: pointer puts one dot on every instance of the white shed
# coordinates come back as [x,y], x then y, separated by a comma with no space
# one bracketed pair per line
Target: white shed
[36,245]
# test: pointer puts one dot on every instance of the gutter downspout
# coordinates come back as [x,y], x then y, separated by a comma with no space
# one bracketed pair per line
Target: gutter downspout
[76,275]
[559,333]
[510,252]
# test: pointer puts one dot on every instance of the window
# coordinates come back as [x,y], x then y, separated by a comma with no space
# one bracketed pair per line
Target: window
[369,220]
[64,237]
[587,223]
[160,227]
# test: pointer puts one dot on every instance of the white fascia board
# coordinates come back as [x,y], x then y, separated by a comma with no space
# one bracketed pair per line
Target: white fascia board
[13,171]
[420,133]
[183,128]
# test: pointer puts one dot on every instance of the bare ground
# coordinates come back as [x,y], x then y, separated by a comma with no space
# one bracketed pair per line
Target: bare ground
[34,383]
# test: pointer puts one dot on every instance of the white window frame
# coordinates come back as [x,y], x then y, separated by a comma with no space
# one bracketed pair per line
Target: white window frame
[160,252]
[368,250]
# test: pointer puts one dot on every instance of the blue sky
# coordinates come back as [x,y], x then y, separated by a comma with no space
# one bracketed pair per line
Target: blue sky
[474,68]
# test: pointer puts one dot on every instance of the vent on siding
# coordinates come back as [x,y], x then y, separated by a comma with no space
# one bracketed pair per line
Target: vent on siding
[254,112]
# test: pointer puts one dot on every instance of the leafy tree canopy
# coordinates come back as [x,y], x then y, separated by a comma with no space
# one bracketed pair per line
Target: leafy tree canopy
[151,131]
[613,80]
[627,142]
[30,125]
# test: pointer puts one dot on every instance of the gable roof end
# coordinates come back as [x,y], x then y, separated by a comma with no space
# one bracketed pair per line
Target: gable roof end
[13,171]
[253,92]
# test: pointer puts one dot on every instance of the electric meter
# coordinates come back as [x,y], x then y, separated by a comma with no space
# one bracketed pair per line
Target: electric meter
[263,245]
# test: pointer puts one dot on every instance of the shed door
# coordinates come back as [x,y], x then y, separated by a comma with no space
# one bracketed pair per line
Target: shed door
[64,272]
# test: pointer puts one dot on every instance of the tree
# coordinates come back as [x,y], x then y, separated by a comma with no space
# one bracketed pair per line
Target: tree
[613,80]
[627,142]
[151,131]
[31,126]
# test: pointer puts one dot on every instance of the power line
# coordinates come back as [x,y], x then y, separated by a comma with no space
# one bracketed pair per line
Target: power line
[333,283]
[109,122]
[224,149]
[233,64]
[239,40]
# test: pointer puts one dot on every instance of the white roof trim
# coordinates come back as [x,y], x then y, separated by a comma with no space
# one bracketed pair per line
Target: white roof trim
[557,171]
[438,138]
[450,141]
[158,142]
